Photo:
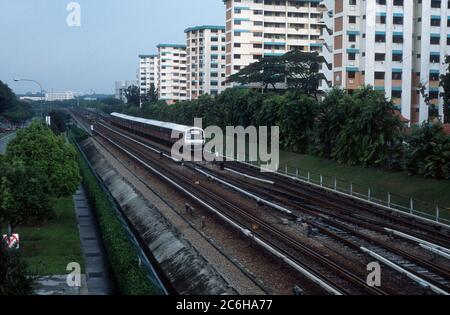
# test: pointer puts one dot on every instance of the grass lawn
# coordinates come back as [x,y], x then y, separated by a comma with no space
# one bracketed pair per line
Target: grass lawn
[429,190]
[48,249]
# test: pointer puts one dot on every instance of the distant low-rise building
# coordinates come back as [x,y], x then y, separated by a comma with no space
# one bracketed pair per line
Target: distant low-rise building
[32,98]
[121,87]
[59,96]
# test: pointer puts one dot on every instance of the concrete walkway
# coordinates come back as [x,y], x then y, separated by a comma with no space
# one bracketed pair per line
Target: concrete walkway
[98,276]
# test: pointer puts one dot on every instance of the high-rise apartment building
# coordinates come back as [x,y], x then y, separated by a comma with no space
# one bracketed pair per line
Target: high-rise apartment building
[261,28]
[172,78]
[205,60]
[396,46]
[148,73]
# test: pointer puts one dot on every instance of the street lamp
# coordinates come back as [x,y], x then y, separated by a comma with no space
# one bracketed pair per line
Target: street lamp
[40,86]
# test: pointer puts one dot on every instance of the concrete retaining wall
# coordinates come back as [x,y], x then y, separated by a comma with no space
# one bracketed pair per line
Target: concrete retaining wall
[187,270]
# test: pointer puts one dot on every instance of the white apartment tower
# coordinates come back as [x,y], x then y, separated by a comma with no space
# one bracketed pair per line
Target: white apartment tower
[261,28]
[396,46]
[172,82]
[205,60]
[148,73]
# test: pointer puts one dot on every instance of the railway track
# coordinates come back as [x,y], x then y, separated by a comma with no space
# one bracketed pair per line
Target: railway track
[366,217]
[350,235]
[339,225]
[304,194]
[343,280]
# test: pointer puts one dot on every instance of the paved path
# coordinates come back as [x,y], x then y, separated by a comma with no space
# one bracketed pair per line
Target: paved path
[98,276]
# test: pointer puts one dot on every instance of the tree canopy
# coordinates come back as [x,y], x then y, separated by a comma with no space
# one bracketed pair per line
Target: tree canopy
[445,84]
[7,98]
[40,149]
[24,194]
[17,111]
[298,70]
[13,278]
[133,95]
[58,124]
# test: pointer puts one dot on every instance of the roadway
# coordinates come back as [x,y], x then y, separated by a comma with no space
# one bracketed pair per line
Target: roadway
[4,140]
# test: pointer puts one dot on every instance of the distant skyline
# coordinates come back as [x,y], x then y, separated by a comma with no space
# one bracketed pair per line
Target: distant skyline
[36,42]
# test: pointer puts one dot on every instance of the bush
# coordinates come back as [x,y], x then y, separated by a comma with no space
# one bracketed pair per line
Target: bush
[13,279]
[130,278]
[78,134]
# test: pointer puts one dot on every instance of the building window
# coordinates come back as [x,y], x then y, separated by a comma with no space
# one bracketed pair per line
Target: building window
[379,75]
[380,57]
[396,75]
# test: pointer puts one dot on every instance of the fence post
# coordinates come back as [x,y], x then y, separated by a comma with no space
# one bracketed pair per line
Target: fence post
[351,189]
[412,206]
[437,214]
[389,200]
[321,180]
[369,194]
[309,176]
[286,169]
[297,173]
[335,184]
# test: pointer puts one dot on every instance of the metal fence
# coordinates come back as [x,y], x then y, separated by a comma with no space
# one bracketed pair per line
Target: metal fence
[384,199]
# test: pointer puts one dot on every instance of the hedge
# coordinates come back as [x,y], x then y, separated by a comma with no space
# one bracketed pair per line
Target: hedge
[129,276]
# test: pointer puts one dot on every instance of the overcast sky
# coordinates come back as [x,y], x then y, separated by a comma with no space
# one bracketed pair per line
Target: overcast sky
[36,42]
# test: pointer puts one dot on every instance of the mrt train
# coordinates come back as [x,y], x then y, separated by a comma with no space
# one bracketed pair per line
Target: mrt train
[191,137]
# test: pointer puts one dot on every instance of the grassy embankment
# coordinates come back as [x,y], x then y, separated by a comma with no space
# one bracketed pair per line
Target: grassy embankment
[49,247]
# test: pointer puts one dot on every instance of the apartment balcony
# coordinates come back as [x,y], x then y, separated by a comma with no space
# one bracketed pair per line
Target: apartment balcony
[298,31]
[275,19]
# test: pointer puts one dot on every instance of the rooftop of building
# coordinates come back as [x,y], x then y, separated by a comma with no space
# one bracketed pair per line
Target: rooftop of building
[171,46]
[148,56]
[205,27]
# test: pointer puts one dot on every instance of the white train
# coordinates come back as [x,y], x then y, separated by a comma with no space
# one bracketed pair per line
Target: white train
[192,137]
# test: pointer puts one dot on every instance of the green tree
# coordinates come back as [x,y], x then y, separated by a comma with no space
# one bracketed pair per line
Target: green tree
[58,124]
[296,116]
[13,278]
[299,70]
[445,84]
[302,71]
[331,116]
[19,112]
[7,98]
[40,149]
[370,129]
[133,96]
[429,152]
[152,95]
[267,72]
[24,195]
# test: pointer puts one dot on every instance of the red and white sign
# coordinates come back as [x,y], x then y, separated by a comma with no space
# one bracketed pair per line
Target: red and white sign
[12,243]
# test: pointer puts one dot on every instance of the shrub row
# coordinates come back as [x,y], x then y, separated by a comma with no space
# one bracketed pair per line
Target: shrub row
[130,278]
